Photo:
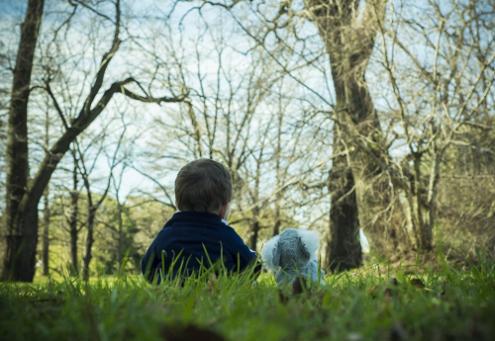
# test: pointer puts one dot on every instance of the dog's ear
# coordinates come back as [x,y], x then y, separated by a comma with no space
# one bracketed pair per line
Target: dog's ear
[310,240]
[302,251]
[270,254]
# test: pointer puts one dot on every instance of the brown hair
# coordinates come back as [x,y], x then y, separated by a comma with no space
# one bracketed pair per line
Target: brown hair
[203,186]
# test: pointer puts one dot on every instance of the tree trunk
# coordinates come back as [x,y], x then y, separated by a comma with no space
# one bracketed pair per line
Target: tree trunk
[363,137]
[253,238]
[343,249]
[427,229]
[120,246]
[421,201]
[73,219]
[23,231]
[19,258]
[22,227]
[349,39]
[89,241]
[45,255]
[21,249]
[46,234]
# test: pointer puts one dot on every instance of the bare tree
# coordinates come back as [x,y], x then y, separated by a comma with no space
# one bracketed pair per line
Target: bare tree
[22,215]
[442,98]
[21,240]
[93,205]
[360,195]
[87,163]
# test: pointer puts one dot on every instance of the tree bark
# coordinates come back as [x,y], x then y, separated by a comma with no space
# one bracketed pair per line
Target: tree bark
[360,132]
[20,254]
[73,219]
[89,240]
[121,237]
[427,230]
[46,234]
[45,255]
[21,249]
[349,40]
[343,249]
[254,233]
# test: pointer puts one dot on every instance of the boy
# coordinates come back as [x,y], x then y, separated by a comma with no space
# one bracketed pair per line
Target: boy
[197,235]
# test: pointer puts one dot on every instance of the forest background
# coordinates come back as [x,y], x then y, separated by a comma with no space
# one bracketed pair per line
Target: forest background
[331,115]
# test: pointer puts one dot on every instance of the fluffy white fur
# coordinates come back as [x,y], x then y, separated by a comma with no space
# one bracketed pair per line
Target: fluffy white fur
[311,241]
[267,253]
[270,254]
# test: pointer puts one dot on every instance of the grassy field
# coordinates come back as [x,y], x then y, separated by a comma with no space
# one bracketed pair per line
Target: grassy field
[373,303]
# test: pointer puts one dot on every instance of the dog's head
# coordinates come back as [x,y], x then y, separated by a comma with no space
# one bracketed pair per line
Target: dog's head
[290,253]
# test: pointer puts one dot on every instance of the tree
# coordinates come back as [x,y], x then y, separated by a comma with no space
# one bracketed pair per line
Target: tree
[21,238]
[442,100]
[23,197]
[93,203]
[73,218]
[359,194]
[359,151]
[46,210]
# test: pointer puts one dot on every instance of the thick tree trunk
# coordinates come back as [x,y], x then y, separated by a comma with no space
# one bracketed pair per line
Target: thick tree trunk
[21,245]
[22,203]
[21,248]
[19,262]
[343,249]
[362,135]
[349,41]
[21,234]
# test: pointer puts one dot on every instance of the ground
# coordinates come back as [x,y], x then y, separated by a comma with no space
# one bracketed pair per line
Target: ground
[374,303]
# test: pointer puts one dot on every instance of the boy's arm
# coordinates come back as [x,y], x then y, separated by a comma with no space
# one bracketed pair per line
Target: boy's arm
[243,254]
[150,263]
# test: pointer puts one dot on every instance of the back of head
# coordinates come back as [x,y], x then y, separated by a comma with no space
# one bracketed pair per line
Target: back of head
[203,186]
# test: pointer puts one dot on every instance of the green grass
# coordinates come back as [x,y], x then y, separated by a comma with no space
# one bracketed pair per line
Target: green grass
[368,304]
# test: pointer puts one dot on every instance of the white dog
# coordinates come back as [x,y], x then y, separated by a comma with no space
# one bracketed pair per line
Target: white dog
[292,254]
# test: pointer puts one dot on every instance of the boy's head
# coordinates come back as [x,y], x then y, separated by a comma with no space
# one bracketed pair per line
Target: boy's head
[203,186]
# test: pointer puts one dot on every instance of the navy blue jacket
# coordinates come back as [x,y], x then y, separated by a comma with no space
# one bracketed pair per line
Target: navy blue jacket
[192,239]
